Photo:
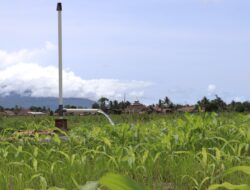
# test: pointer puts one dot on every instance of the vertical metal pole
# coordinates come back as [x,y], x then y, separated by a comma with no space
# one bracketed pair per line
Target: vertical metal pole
[60,122]
[59,10]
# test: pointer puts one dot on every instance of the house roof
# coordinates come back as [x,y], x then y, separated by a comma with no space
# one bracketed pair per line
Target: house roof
[9,113]
[23,112]
[136,107]
[36,113]
[186,109]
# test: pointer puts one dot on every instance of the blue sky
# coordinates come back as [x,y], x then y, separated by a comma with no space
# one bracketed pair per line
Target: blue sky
[146,49]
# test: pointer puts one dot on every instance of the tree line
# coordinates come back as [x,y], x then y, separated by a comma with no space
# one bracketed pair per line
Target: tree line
[208,105]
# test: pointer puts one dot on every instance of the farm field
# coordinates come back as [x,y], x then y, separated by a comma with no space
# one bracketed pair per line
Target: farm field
[186,151]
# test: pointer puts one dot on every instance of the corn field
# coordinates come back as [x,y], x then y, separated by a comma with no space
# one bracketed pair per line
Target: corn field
[154,152]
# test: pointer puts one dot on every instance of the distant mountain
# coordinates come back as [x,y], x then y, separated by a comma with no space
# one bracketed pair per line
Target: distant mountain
[50,102]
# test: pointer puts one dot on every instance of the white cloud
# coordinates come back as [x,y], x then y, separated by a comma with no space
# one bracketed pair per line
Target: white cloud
[239,99]
[211,89]
[19,73]
[24,55]
[50,46]
[136,94]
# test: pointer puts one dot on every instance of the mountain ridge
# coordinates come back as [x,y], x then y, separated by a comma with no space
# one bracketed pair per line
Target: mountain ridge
[13,100]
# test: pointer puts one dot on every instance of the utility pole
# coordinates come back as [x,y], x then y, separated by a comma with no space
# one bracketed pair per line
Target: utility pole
[60,122]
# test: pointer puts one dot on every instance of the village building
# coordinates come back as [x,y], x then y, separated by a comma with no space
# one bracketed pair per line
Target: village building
[157,109]
[167,110]
[26,112]
[37,113]
[115,111]
[2,114]
[188,109]
[8,113]
[136,107]
[23,112]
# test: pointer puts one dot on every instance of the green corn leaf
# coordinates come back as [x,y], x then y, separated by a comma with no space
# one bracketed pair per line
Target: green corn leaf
[75,182]
[34,163]
[248,135]
[117,182]
[145,156]
[20,164]
[204,157]
[229,186]
[217,155]
[107,141]
[244,169]
[156,157]
[35,176]
[19,149]
[72,159]
[43,183]
[35,153]
[204,181]
[66,156]
[55,188]
[56,139]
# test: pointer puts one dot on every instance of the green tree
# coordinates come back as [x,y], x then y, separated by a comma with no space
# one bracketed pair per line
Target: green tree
[110,104]
[95,105]
[204,103]
[168,103]
[102,103]
[160,104]
[215,105]
[123,105]
[219,104]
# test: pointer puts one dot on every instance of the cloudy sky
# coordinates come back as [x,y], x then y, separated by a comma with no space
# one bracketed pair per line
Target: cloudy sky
[146,49]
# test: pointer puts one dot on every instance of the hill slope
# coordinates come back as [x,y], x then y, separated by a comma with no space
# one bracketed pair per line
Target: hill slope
[50,102]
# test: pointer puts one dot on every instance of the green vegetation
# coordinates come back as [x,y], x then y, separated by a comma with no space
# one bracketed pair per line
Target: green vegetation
[188,151]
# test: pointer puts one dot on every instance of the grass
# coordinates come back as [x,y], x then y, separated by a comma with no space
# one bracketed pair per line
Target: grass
[159,151]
